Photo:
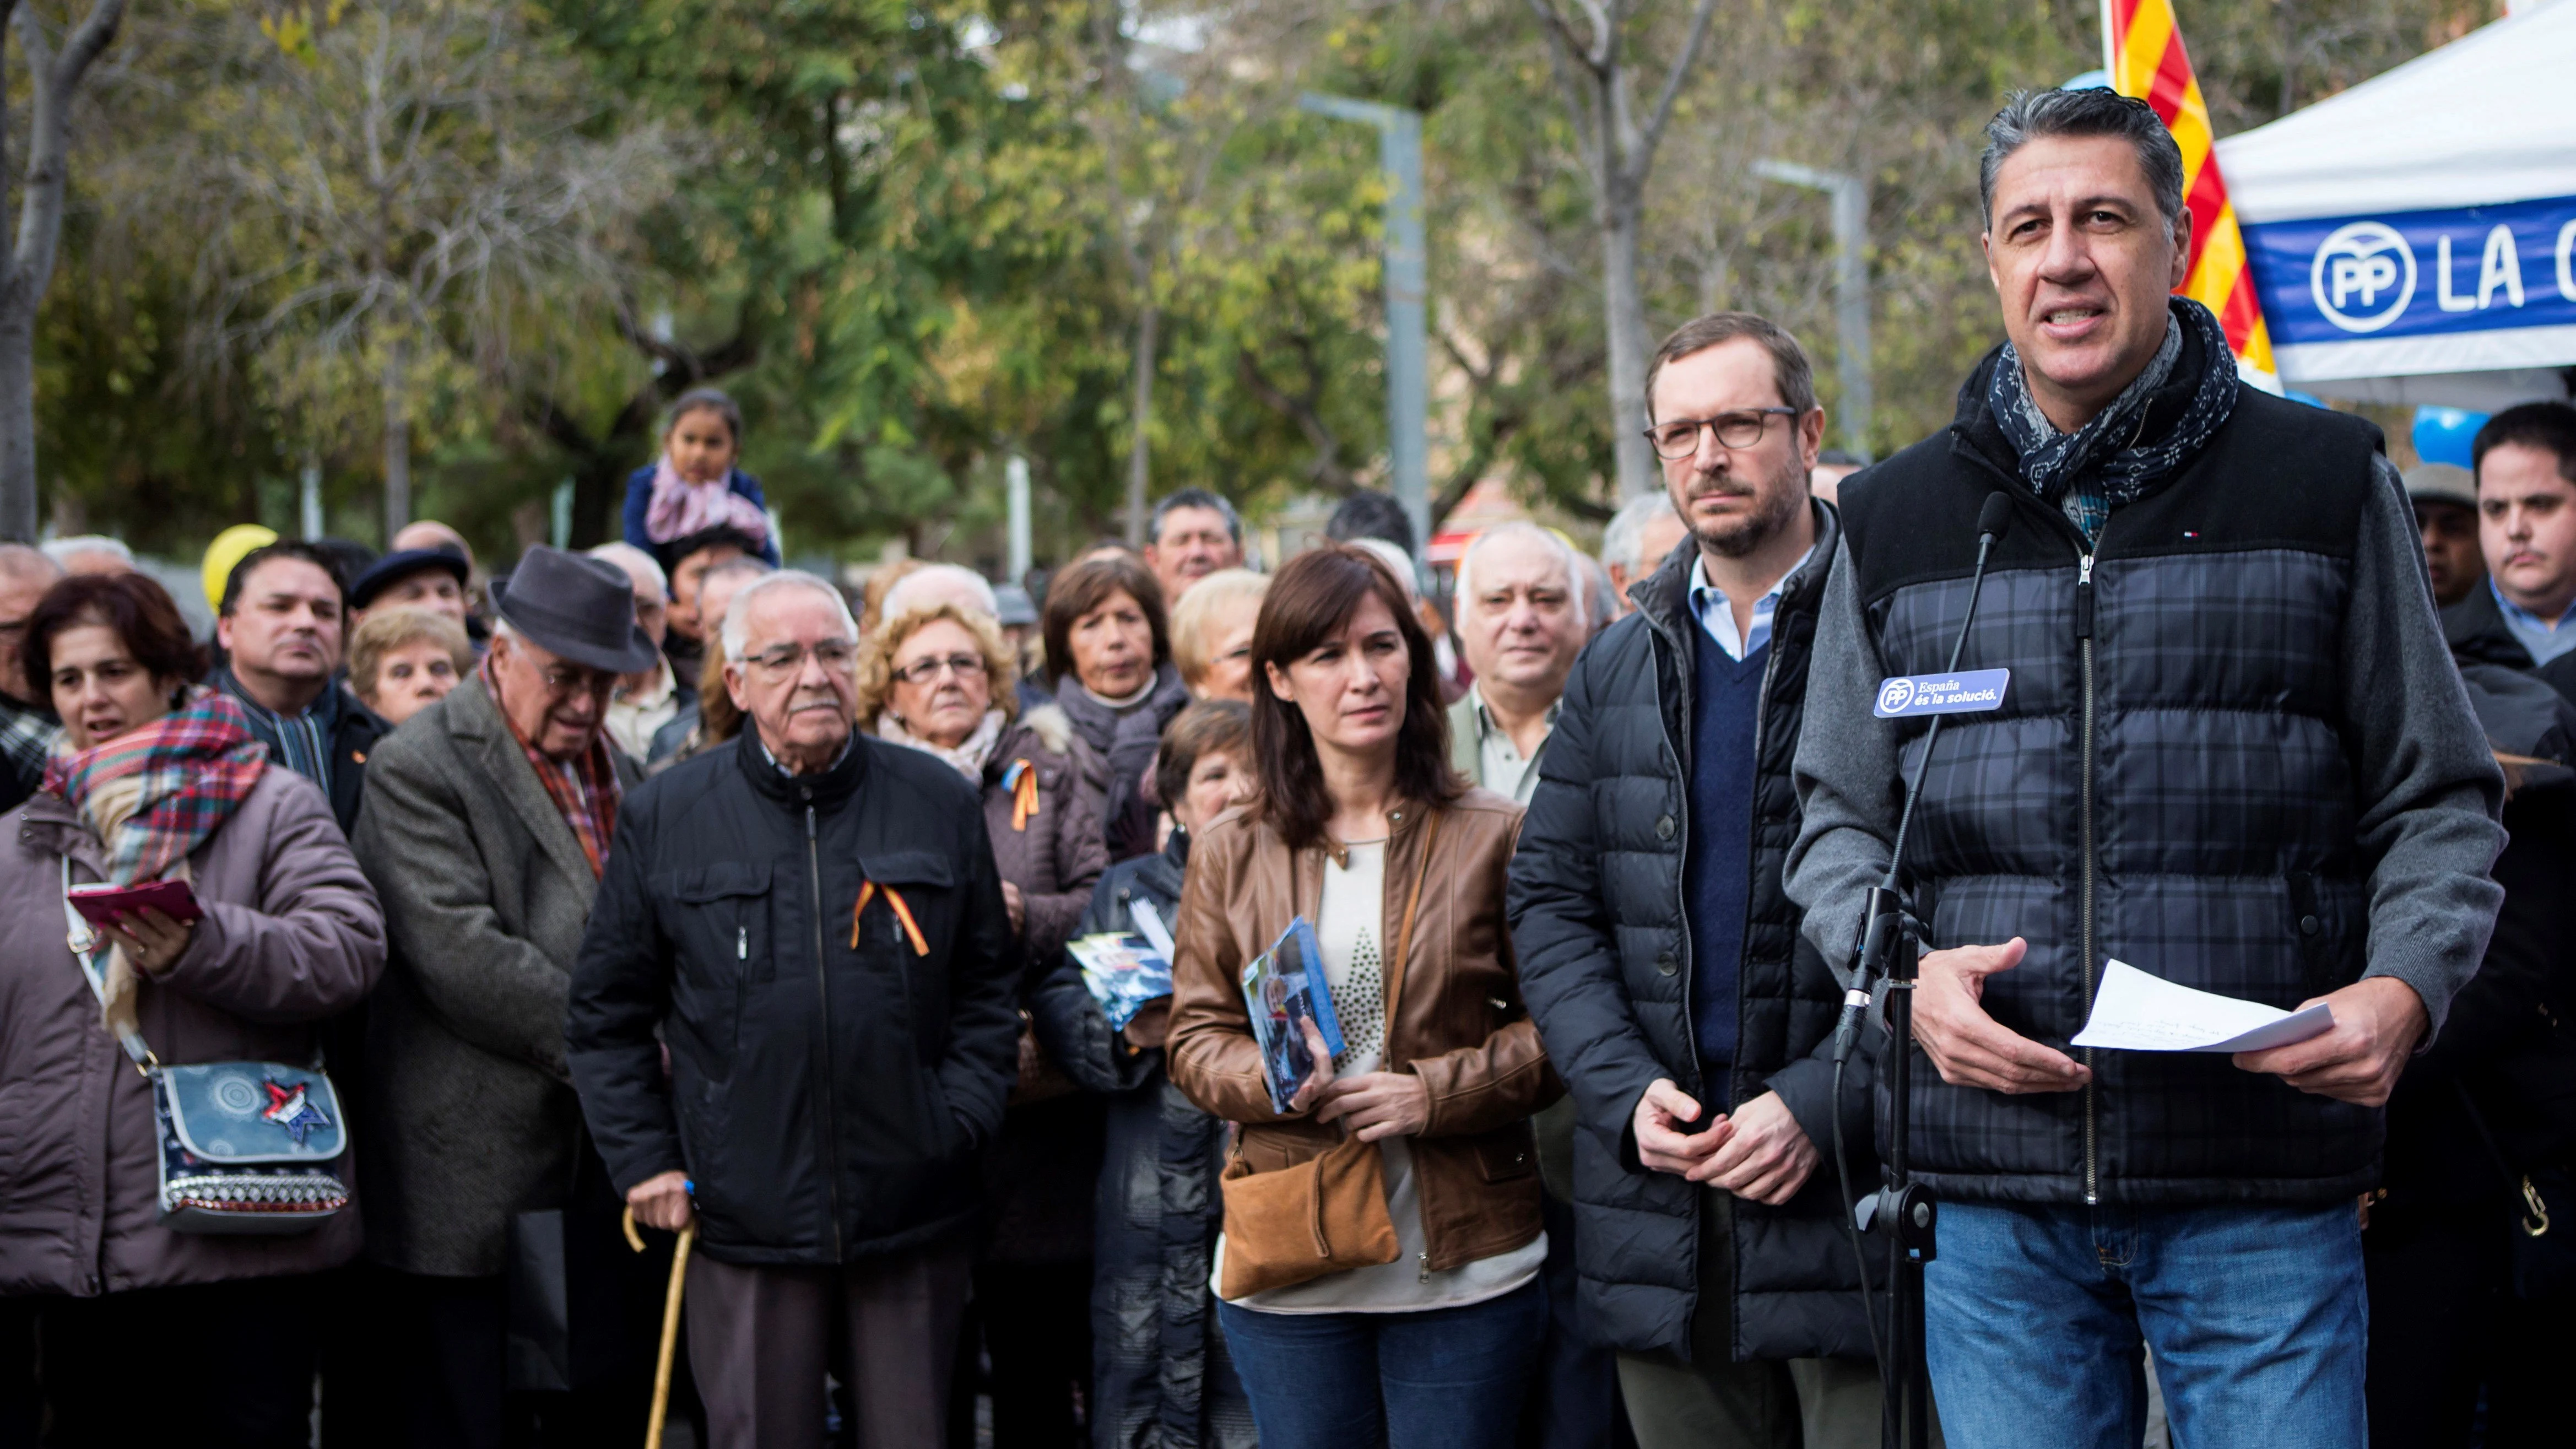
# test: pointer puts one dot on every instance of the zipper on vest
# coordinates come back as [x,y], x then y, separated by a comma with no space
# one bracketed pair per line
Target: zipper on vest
[1682,665]
[2084,654]
[823,990]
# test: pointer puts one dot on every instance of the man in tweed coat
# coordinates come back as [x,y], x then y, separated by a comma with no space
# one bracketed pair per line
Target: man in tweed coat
[486,824]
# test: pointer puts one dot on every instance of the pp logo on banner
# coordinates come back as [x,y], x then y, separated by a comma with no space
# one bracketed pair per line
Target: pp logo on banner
[1977,690]
[2363,276]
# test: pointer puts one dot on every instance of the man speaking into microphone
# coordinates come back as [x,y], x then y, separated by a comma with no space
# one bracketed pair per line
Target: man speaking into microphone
[2231,753]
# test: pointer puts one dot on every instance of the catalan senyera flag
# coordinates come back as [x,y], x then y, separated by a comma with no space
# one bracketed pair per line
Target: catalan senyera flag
[2142,49]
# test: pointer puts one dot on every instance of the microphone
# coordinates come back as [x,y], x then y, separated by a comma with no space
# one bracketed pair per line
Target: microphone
[1879,939]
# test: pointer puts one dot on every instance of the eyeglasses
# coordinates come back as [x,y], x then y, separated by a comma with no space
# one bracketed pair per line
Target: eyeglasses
[563,681]
[835,655]
[1742,429]
[926,669]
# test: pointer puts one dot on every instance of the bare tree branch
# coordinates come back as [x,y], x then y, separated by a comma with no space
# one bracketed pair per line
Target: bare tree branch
[1647,140]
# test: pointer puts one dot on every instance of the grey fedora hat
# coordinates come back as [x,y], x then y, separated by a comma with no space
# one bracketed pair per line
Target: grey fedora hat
[580,608]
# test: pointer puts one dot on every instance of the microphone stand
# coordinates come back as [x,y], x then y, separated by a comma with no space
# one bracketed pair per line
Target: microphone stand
[1903,1209]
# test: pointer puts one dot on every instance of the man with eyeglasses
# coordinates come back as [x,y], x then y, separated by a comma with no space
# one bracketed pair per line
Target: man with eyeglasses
[1695,1041]
[488,819]
[811,921]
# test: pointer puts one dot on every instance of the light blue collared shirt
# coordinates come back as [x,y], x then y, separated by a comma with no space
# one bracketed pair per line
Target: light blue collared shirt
[2545,638]
[1717,613]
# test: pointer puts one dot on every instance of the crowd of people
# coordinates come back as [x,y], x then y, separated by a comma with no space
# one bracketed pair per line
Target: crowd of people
[663,882]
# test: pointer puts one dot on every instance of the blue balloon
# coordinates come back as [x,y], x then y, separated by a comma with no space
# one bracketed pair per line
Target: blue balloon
[2311,399]
[2091,80]
[2443,435]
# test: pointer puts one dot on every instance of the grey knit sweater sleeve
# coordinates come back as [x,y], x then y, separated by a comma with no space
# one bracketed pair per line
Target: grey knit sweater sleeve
[2429,791]
[1846,776]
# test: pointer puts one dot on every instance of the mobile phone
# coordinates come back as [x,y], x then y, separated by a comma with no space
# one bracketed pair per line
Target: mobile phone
[105,905]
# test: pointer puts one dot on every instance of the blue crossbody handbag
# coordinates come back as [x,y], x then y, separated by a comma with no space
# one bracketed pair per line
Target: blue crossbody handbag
[242,1147]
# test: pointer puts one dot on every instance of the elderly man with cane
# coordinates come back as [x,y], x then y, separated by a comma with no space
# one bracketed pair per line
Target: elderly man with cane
[486,821]
[811,921]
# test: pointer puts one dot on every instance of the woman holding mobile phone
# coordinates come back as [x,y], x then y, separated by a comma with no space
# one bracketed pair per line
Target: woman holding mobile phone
[152,779]
[1412,1148]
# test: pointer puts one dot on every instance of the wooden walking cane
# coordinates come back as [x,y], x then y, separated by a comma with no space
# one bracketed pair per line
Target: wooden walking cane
[670,1324]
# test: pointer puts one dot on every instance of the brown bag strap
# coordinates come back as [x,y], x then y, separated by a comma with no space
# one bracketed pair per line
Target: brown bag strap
[1404,936]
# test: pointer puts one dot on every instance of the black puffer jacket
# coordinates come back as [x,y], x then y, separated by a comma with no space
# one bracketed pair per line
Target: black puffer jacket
[1160,1375]
[826,1099]
[1596,894]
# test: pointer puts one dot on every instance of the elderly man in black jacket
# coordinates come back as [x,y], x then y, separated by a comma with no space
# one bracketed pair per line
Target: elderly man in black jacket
[812,922]
[1694,1038]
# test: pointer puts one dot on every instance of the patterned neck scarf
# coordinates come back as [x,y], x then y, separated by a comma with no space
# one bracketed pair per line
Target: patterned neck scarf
[584,789]
[26,740]
[678,507]
[152,795]
[301,742]
[2108,462]
[969,755]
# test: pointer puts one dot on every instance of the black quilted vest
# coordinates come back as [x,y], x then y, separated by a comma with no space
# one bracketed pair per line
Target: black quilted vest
[2166,784]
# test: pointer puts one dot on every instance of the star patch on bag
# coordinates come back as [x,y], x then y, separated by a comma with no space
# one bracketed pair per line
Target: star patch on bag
[288,1108]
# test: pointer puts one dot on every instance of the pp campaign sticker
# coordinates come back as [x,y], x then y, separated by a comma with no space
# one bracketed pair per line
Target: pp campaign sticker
[1978,690]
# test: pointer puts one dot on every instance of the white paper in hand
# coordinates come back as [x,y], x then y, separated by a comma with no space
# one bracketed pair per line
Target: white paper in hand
[2137,1012]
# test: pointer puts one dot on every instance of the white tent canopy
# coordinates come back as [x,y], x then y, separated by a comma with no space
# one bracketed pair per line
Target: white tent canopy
[2412,236]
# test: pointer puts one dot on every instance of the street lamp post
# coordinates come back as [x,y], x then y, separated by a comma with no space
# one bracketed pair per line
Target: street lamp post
[1851,286]
[1399,134]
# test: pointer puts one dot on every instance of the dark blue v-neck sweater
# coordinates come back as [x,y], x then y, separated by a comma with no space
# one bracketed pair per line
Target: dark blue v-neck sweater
[1718,868]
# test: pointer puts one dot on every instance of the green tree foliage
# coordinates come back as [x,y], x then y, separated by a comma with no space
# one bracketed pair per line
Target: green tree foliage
[916,236]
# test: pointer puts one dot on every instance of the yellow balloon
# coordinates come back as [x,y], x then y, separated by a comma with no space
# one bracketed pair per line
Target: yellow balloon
[228,549]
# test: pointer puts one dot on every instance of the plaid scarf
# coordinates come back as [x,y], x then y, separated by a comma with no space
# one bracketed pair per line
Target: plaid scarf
[301,741]
[26,740]
[585,790]
[2106,463]
[152,795]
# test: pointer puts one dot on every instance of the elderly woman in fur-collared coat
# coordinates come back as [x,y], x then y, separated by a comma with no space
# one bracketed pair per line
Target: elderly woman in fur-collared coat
[928,681]
[939,679]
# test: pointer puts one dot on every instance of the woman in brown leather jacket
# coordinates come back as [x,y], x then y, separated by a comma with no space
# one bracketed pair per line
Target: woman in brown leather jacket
[1425,1333]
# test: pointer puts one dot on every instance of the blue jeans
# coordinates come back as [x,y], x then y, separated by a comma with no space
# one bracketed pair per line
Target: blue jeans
[1447,1378]
[2034,1317]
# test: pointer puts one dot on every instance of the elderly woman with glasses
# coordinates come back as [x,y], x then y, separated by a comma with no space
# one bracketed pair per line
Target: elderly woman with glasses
[927,681]
[939,678]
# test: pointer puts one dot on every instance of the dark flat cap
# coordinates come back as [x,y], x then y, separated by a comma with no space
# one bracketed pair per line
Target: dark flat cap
[580,608]
[385,572]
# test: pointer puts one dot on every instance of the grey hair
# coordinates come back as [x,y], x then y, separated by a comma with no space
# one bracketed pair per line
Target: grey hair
[1577,586]
[18,561]
[1397,561]
[628,556]
[738,613]
[1195,498]
[1623,542]
[2028,116]
[61,550]
[899,598]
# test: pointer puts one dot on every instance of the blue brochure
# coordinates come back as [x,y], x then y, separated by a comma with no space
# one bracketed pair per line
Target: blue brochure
[1123,972]
[1283,987]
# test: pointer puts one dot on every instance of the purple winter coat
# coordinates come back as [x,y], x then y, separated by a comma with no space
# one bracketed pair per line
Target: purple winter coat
[1057,859]
[292,935]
